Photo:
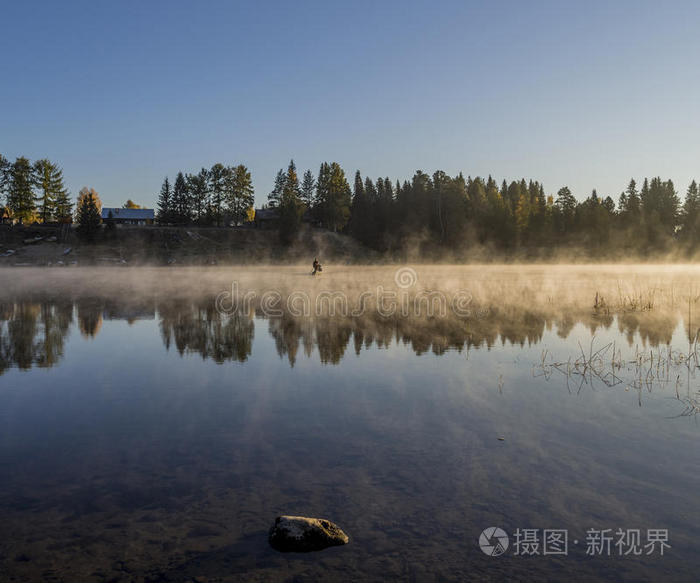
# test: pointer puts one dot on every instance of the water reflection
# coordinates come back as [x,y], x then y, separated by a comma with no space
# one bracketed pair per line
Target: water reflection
[33,332]
[198,327]
[172,468]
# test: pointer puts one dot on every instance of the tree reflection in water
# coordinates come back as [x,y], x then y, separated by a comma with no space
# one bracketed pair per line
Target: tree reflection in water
[33,331]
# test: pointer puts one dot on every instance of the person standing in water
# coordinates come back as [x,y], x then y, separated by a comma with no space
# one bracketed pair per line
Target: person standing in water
[316,266]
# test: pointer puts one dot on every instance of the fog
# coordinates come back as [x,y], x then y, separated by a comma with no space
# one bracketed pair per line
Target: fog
[618,287]
[432,308]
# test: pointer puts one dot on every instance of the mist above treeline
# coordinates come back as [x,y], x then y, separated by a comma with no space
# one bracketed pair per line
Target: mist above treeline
[430,216]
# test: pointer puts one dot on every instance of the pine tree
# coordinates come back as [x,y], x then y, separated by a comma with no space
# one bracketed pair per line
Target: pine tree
[180,200]
[164,203]
[566,201]
[275,196]
[359,210]
[321,198]
[48,178]
[85,191]
[333,196]
[609,205]
[88,214]
[291,183]
[690,215]
[291,207]
[565,204]
[63,207]
[4,173]
[198,195]
[307,189]
[633,200]
[20,195]
[217,187]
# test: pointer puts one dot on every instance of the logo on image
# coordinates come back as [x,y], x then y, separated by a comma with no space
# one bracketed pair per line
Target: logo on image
[493,541]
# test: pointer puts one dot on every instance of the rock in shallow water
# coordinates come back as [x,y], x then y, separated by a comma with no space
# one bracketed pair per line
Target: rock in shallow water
[299,534]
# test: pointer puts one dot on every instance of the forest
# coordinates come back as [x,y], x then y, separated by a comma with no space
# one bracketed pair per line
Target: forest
[442,212]
[437,212]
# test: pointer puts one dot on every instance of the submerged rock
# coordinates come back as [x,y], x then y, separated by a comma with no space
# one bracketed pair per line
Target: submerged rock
[299,534]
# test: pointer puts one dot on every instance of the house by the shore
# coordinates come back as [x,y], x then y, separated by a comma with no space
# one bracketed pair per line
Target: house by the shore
[122,216]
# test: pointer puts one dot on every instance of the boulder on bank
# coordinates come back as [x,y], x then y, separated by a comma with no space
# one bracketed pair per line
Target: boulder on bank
[299,534]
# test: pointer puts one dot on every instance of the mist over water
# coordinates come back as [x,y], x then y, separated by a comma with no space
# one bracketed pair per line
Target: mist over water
[150,430]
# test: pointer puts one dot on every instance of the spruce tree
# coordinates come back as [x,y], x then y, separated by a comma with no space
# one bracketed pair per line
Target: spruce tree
[85,191]
[321,198]
[359,210]
[63,208]
[88,214]
[275,196]
[164,203]
[5,167]
[198,191]
[180,200]
[20,195]
[565,204]
[690,215]
[217,187]
[339,198]
[291,183]
[291,208]
[48,178]
[307,189]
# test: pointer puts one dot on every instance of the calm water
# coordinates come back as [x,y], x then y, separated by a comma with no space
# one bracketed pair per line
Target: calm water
[155,439]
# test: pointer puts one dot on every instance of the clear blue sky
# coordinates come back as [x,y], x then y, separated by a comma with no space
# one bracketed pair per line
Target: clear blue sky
[121,94]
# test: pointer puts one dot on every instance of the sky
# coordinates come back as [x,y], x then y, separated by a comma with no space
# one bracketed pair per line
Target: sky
[584,94]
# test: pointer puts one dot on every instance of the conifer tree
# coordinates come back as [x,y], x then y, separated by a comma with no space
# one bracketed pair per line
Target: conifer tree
[84,191]
[165,202]
[321,199]
[291,207]
[336,197]
[308,185]
[690,215]
[360,210]
[88,214]
[198,195]
[275,196]
[48,178]
[20,194]
[180,200]
[217,187]
[565,204]
[63,209]
[291,183]
[4,174]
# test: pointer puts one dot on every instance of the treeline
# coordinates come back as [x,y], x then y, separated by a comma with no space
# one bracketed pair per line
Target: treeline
[444,212]
[220,195]
[435,212]
[34,192]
